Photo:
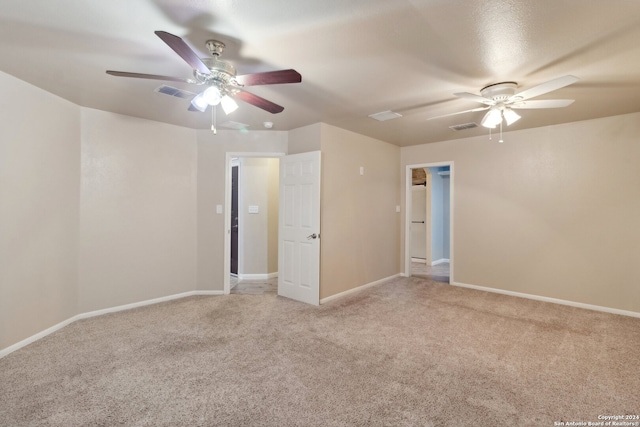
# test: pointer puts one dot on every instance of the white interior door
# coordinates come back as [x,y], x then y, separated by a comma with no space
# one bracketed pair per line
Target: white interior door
[299,231]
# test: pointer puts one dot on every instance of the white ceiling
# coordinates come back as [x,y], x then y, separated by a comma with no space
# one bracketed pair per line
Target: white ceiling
[356,57]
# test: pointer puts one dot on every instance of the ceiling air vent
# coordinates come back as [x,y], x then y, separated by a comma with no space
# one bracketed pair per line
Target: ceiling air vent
[385,115]
[178,93]
[464,126]
[234,125]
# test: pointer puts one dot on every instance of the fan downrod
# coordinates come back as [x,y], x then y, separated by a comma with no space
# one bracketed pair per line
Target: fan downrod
[215,47]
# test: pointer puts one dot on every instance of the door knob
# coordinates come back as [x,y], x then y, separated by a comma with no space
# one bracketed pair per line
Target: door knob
[313,236]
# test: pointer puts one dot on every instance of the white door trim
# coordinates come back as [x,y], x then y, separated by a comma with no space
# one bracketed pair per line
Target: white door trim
[407,212]
[227,208]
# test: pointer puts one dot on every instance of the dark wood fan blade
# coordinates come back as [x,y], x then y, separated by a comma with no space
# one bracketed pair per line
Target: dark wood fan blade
[181,48]
[148,76]
[259,102]
[270,78]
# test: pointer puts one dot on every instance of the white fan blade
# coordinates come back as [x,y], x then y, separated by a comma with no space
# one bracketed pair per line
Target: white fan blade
[546,87]
[476,98]
[459,112]
[542,103]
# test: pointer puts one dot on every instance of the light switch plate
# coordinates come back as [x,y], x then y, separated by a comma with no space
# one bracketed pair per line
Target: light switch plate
[254,209]
[218,209]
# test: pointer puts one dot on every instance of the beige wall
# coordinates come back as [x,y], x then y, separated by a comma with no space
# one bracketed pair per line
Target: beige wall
[137,210]
[305,139]
[551,212]
[211,192]
[360,228]
[39,202]
[259,178]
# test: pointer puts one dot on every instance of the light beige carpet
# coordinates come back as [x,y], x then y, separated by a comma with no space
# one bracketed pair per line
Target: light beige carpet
[409,352]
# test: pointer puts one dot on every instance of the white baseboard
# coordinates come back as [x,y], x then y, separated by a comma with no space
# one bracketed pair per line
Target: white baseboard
[206,293]
[424,261]
[37,336]
[54,328]
[359,288]
[257,276]
[548,299]
[141,304]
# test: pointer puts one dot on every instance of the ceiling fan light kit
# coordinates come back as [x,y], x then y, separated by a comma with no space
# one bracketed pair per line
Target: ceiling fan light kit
[501,99]
[492,118]
[510,116]
[495,115]
[229,105]
[212,97]
[219,77]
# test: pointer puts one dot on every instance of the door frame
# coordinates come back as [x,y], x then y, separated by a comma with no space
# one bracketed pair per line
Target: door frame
[227,208]
[407,220]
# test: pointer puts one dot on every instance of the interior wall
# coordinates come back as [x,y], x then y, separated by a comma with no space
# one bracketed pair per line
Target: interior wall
[39,209]
[551,212]
[211,159]
[137,210]
[360,230]
[259,179]
[305,139]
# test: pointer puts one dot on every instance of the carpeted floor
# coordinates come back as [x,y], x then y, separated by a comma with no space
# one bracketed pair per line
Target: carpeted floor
[410,352]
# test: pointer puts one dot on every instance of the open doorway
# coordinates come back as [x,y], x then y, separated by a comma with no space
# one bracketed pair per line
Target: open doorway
[251,221]
[428,223]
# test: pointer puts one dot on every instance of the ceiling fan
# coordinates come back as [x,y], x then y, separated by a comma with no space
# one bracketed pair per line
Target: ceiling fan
[500,99]
[218,77]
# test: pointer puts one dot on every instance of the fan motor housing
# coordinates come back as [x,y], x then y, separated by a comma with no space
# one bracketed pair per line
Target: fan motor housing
[499,91]
[221,72]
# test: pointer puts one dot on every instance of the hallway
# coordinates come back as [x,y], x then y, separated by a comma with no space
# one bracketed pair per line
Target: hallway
[254,287]
[437,273]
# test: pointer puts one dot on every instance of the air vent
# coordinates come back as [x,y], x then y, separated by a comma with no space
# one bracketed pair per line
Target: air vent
[172,91]
[385,115]
[234,125]
[464,126]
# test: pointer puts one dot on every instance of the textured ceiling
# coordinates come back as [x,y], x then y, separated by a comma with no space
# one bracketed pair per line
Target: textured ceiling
[356,57]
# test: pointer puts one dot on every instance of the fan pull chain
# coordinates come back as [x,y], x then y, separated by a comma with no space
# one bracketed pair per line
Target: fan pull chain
[213,120]
[500,140]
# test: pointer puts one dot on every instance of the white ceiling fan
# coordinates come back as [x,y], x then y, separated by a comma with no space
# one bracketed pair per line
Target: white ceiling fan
[500,99]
